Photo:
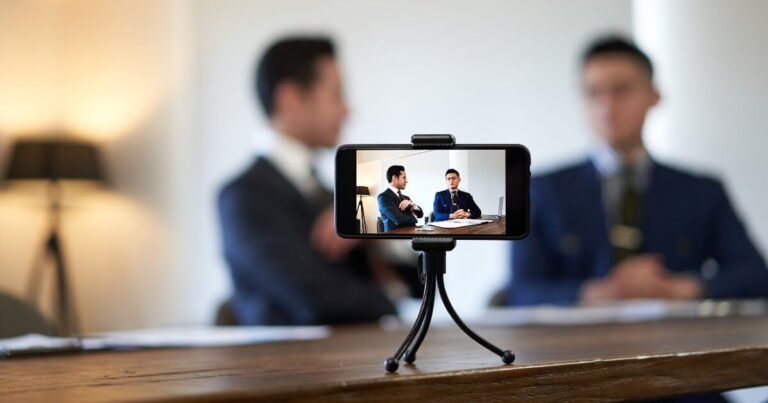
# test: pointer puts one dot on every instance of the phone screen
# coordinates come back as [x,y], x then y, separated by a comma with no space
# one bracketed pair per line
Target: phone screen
[464,192]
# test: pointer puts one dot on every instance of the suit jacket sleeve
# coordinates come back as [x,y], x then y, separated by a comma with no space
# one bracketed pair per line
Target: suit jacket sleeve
[418,211]
[473,207]
[537,274]
[441,213]
[742,271]
[389,207]
[273,254]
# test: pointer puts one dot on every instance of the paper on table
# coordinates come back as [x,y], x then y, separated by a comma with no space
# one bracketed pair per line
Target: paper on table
[620,312]
[185,336]
[37,344]
[466,222]
[202,336]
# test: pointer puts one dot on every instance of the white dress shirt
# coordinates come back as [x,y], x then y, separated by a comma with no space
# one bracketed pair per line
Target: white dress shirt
[393,189]
[294,160]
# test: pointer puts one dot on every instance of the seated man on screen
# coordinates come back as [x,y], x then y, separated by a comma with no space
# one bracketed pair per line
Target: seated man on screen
[453,203]
[621,224]
[288,265]
[397,210]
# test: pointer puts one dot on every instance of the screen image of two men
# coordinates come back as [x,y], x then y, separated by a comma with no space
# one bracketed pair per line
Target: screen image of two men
[415,192]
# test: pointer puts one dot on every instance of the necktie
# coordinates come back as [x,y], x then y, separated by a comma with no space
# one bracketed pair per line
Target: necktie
[399,195]
[319,196]
[626,235]
[454,201]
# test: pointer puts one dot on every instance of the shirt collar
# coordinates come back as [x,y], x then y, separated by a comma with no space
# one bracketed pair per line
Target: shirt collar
[394,189]
[608,162]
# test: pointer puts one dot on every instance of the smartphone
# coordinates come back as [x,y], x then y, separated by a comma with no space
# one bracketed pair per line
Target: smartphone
[467,191]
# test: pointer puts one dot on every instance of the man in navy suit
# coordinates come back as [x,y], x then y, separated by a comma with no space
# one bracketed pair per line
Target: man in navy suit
[452,202]
[397,210]
[623,225]
[288,265]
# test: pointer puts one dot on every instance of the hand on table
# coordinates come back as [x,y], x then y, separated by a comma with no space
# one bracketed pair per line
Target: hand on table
[459,214]
[642,276]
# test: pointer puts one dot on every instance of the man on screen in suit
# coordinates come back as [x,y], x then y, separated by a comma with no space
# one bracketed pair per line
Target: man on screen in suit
[288,265]
[452,202]
[397,210]
[623,225]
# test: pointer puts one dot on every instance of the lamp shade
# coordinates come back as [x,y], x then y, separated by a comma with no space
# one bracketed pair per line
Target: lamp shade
[54,160]
[363,191]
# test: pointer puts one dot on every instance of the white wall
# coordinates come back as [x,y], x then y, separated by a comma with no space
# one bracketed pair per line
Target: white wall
[486,71]
[486,174]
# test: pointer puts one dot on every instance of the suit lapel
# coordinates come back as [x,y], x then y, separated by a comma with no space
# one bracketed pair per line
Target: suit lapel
[392,192]
[270,179]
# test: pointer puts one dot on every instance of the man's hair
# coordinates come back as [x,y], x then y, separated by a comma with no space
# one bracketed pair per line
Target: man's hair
[293,59]
[615,45]
[452,171]
[394,170]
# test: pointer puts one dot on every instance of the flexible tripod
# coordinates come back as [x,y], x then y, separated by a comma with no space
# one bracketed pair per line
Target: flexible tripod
[432,268]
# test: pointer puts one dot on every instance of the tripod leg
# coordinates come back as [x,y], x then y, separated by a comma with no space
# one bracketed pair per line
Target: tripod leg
[506,356]
[392,363]
[410,355]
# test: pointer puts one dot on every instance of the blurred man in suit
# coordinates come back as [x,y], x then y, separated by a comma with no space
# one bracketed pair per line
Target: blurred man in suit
[287,263]
[621,224]
[453,203]
[397,210]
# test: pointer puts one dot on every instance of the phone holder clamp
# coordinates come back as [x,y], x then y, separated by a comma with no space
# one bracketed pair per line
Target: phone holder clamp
[433,141]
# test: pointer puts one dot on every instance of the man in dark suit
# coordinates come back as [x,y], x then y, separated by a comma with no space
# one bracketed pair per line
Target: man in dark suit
[452,202]
[288,265]
[397,210]
[623,225]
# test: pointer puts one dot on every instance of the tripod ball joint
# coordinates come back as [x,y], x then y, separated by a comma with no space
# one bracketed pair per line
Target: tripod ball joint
[390,364]
[507,357]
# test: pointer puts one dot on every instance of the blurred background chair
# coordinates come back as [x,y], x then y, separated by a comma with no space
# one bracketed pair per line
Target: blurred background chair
[18,318]
[224,314]
[499,298]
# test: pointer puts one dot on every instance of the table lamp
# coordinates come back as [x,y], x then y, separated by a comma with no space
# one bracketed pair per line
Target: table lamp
[54,161]
[362,191]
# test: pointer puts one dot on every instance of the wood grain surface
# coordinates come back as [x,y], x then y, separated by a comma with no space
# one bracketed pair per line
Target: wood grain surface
[554,363]
[497,227]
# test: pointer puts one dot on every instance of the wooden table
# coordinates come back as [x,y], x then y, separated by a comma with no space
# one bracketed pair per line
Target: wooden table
[497,227]
[601,362]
